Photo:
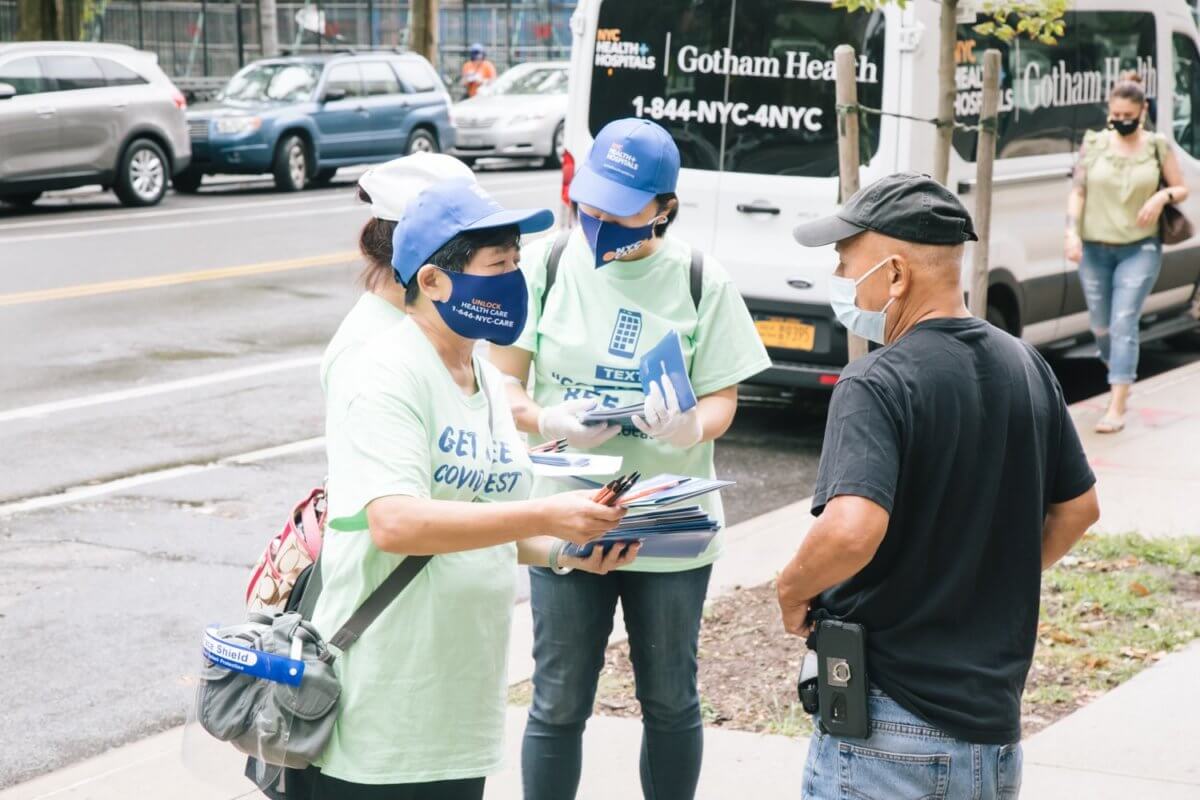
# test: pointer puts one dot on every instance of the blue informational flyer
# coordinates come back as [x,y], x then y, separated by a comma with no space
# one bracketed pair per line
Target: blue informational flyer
[666,358]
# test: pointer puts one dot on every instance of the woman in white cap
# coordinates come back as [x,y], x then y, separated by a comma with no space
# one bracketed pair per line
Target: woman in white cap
[619,285]
[388,188]
[416,434]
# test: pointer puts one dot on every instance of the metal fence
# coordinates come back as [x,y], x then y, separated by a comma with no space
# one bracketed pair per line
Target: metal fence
[205,41]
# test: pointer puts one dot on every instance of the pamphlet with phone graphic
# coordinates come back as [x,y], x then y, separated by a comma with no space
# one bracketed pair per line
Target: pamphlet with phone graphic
[665,358]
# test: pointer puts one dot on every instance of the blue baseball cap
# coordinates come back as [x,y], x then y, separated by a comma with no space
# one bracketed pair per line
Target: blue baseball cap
[447,209]
[631,161]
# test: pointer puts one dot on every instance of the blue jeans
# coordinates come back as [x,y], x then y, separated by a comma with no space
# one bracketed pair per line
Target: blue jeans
[572,619]
[1116,280]
[906,759]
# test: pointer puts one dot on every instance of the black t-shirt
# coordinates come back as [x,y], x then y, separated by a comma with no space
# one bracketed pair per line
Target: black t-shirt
[961,433]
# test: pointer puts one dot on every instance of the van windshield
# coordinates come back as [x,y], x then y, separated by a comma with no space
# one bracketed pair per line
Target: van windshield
[742,85]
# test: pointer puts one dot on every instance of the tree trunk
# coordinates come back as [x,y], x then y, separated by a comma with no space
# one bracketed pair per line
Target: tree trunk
[985,156]
[39,20]
[849,162]
[268,27]
[422,29]
[946,90]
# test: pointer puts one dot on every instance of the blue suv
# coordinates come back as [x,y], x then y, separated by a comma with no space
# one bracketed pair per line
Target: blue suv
[302,117]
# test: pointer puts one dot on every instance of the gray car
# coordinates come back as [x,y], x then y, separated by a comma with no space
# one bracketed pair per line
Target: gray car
[74,114]
[518,115]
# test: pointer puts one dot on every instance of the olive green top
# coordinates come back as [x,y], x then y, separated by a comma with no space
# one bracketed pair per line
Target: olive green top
[1117,186]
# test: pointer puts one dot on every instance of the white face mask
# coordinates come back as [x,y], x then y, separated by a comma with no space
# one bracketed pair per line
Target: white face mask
[843,296]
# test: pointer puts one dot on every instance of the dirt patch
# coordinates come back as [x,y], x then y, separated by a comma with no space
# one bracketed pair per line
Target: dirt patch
[1110,609]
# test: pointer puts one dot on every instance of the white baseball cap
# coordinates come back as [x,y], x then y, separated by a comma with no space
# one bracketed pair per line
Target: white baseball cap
[394,184]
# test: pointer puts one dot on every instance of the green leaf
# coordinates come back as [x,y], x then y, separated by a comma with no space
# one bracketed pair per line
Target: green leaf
[985,28]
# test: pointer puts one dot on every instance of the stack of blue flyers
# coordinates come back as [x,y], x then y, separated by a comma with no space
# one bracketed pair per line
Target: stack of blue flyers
[665,529]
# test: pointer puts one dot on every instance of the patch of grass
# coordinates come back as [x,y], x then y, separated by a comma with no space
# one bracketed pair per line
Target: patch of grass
[1180,553]
[1112,607]
[786,719]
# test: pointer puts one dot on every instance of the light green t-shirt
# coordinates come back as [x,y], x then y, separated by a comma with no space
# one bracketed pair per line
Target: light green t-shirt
[370,316]
[424,689]
[597,325]
[1117,188]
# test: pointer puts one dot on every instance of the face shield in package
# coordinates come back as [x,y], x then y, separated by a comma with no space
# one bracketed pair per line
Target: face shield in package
[267,687]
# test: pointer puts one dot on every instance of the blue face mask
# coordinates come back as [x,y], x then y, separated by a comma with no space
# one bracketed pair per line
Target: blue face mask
[610,241]
[843,296]
[491,307]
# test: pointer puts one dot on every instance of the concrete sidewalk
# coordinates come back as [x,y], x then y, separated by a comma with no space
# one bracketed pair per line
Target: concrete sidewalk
[1149,474]
[1141,740]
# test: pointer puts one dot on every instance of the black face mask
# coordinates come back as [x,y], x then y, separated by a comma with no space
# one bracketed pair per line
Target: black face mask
[1125,127]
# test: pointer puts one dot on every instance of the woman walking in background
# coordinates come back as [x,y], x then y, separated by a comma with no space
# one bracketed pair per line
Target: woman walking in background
[1113,231]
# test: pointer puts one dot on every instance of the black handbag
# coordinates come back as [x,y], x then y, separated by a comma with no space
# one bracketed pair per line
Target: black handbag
[1173,225]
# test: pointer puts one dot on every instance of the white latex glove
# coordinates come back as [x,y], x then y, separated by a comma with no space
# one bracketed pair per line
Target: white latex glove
[562,422]
[663,419]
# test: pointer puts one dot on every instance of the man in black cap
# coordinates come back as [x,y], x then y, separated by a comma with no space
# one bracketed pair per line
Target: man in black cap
[950,476]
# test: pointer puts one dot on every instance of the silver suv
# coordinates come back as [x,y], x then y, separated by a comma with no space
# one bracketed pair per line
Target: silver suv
[74,114]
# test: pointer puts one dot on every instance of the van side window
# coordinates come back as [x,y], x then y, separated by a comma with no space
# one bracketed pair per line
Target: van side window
[25,75]
[1052,94]
[72,73]
[754,94]
[1187,94]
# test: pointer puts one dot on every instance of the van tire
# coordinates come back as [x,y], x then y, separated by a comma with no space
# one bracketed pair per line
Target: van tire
[142,174]
[21,199]
[291,167]
[998,318]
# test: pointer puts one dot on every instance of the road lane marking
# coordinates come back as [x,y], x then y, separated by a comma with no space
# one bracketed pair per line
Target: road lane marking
[75,403]
[175,278]
[81,218]
[340,208]
[191,223]
[80,493]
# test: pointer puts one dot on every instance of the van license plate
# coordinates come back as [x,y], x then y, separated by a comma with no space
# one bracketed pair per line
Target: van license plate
[790,334]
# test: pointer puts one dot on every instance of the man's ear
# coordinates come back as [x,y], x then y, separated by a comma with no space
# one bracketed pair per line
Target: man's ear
[433,283]
[900,275]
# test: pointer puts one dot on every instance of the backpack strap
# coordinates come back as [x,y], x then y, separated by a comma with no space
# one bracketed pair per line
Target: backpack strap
[696,278]
[556,252]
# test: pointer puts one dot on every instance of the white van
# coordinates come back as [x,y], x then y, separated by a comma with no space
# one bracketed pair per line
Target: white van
[746,88]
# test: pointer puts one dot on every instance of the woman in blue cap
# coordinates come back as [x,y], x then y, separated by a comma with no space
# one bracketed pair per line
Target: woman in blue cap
[418,431]
[597,301]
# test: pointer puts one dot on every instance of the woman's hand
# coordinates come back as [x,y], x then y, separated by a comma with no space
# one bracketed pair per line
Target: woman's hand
[1073,247]
[600,562]
[1151,209]
[663,420]
[576,517]
[562,422]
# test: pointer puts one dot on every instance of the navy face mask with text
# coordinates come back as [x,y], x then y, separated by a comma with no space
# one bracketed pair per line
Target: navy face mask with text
[610,241]
[490,307]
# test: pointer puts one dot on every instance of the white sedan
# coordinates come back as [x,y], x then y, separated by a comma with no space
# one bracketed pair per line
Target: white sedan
[519,115]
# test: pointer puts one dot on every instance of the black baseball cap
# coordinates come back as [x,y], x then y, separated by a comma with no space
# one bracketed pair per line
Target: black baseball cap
[907,206]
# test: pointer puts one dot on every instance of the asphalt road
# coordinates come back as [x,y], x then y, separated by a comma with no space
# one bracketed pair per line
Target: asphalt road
[159,412]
